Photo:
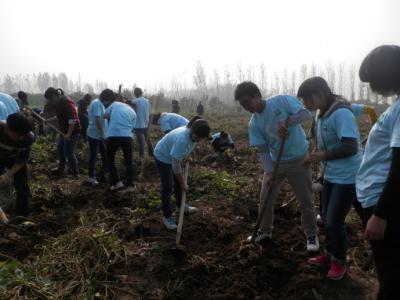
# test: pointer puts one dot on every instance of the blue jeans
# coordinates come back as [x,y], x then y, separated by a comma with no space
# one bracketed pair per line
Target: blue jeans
[96,146]
[337,200]
[168,179]
[66,151]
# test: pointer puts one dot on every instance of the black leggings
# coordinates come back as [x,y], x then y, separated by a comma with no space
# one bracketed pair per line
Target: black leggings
[387,258]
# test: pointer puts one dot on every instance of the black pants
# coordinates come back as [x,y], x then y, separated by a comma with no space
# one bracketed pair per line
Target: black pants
[21,188]
[113,143]
[387,257]
[84,125]
[168,179]
[142,135]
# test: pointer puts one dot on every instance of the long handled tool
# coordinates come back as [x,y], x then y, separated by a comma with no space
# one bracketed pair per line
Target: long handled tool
[182,209]
[269,192]
[43,120]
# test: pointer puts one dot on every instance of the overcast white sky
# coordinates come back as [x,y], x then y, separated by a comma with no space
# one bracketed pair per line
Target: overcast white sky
[155,40]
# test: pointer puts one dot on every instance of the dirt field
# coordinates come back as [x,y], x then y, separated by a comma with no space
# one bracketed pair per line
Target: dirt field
[89,243]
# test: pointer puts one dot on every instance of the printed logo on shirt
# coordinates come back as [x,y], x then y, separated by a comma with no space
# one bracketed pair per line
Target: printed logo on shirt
[278,112]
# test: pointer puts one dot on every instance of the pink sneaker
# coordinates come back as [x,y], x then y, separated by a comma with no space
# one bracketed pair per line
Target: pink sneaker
[336,271]
[321,260]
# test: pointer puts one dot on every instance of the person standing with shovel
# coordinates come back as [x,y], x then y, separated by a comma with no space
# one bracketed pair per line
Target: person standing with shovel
[273,120]
[169,153]
[69,125]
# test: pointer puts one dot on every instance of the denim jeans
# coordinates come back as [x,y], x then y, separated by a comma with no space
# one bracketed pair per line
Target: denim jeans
[337,200]
[96,146]
[168,179]
[66,151]
[21,187]
[386,256]
[113,143]
[142,135]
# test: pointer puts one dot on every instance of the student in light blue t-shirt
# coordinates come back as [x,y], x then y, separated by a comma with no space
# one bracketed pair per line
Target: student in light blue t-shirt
[143,109]
[169,121]
[10,103]
[267,129]
[3,112]
[221,141]
[378,180]
[96,135]
[337,148]
[121,122]
[169,153]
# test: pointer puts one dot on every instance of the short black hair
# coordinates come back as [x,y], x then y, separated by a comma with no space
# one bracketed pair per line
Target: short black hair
[155,118]
[381,69]
[107,95]
[19,123]
[137,92]
[87,97]
[201,128]
[53,92]
[247,89]
[23,97]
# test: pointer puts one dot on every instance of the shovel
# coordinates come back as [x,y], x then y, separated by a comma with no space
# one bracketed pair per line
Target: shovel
[182,209]
[44,121]
[269,193]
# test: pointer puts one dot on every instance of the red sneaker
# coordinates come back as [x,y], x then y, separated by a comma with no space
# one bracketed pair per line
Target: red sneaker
[321,260]
[336,271]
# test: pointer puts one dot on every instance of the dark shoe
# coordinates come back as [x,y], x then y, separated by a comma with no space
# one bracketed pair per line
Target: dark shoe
[58,172]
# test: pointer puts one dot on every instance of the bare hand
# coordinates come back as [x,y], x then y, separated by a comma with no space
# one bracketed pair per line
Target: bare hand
[315,157]
[375,229]
[3,180]
[66,137]
[268,179]
[185,187]
[283,130]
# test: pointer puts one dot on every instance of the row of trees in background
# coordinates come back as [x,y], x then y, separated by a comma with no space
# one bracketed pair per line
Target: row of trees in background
[212,88]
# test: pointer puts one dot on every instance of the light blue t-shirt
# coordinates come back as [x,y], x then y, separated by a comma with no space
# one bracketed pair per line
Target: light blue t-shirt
[263,128]
[3,112]
[96,109]
[329,132]
[175,145]
[171,121]
[375,165]
[122,120]
[218,134]
[358,109]
[143,109]
[10,103]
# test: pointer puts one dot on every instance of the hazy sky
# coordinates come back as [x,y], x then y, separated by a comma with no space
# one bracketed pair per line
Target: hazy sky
[156,40]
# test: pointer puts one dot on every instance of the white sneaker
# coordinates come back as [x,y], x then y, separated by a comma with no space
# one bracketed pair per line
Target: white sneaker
[313,243]
[130,189]
[117,186]
[92,181]
[170,223]
[188,209]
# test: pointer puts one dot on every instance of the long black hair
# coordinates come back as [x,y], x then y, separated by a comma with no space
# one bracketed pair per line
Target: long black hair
[50,92]
[316,86]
